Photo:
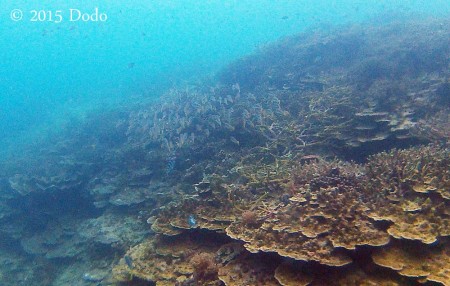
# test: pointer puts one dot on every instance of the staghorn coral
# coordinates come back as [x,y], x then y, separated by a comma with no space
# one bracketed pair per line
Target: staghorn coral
[326,111]
[351,104]
[190,117]
[435,127]
[269,112]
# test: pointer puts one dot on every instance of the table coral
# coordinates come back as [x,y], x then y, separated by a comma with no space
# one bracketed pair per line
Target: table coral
[248,270]
[287,274]
[318,210]
[417,261]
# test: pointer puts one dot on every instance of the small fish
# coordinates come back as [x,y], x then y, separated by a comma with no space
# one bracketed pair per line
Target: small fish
[170,165]
[128,261]
[284,17]
[88,277]
[234,140]
[192,221]
[130,65]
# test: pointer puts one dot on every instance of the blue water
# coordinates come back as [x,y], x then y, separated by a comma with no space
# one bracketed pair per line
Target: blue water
[54,72]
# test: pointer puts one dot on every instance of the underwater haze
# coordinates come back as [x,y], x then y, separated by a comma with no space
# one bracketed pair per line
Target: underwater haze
[54,71]
[234,142]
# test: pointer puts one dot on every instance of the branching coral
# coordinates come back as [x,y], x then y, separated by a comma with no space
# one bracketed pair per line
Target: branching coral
[271,122]
[435,127]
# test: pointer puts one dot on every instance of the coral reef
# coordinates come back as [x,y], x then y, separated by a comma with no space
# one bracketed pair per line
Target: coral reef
[333,209]
[417,261]
[178,260]
[252,180]
[248,270]
[416,182]
[321,217]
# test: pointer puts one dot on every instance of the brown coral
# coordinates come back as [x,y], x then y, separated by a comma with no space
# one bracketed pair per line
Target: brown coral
[330,206]
[412,186]
[417,261]
[288,274]
[168,261]
[248,270]
[276,198]
[332,215]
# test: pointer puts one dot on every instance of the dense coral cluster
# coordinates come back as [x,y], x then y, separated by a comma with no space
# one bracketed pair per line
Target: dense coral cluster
[280,195]
[243,180]
[435,127]
[414,260]
[190,117]
[317,211]
[326,211]
[181,261]
[361,100]
[416,183]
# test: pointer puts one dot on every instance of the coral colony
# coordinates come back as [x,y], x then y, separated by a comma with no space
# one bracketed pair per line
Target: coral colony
[280,210]
[321,160]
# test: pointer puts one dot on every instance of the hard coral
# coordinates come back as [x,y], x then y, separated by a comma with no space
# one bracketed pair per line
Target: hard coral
[327,212]
[308,208]
[417,261]
[169,260]
[248,270]
[288,274]
[412,188]
[331,206]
